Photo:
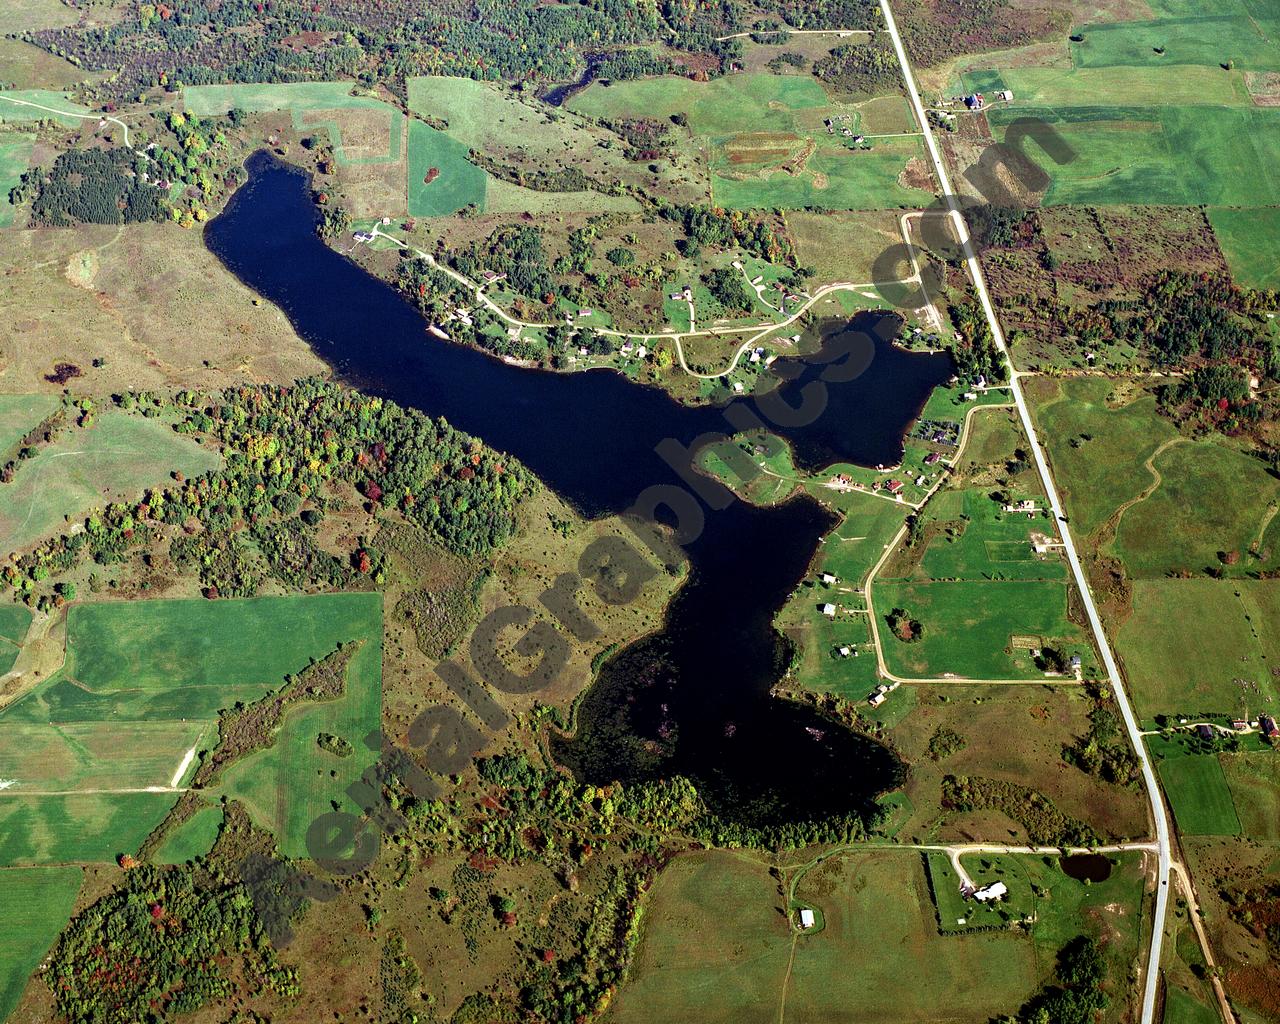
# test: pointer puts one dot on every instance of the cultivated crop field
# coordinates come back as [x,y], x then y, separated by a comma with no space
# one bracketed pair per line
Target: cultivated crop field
[119,454]
[94,753]
[766,143]
[1198,791]
[35,904]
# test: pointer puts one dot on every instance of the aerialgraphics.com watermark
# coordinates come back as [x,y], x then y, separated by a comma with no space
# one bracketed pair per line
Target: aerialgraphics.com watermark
[663,520]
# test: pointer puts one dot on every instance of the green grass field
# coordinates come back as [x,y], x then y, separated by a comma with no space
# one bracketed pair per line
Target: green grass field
[15,620]
[76,829]
[193,838]
[58,101]
[1103,472]
[19,413]
[143,685]
[1211,499]
[35,905]
[715,948]
[291,783]
[1180,156]
[968,625]
[1250,239]
[992,544]
[1182,1008]
[1188,641]
[15,157]
[1198,791]
[1103,86]
[215,100]
[119,455]
[1254,781]
[1232,33]
[459,183]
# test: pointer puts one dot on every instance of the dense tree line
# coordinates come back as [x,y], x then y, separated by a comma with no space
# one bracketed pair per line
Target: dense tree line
[869,67]
[1077,996]
[1043,822]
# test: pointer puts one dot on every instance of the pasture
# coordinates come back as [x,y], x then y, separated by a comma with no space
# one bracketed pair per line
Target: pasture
[532,138]
[969,625]
[367,134]
[1180,1007]
[983,541]
[1237,32]
[1210,500]
[193,838]
[15,619]
[21,111]
[35,905]
[843,246]
[1250,240]
[456,183]
[1179,156]
[115,458]
[1089,86]
[1197,790]
[1104,467]
[27,66]
[143,684]
[1014,734]
[1254,780]
[33,15]
[19,413]
[1221,664]
[697,962]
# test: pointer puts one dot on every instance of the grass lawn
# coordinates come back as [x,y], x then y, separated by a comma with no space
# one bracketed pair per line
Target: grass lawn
[1210,499]
[1254,781]
[19,413]
[119,455]
[1250,239]
[1188,641]
[716,946]
[968,625]
[1198,791]
[1181,1007]
[193,838]
[143,683]
[1106,469]
[35,905]
[986,542]
[1179,156]
[458,183]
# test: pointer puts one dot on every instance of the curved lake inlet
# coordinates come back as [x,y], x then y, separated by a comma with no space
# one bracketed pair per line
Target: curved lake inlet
[694,697]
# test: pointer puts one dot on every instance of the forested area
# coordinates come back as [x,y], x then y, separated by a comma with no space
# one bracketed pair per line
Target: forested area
[302,40]
[289,453]
[93,186]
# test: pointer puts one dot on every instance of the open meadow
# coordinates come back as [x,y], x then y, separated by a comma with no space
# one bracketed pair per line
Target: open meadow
[117,456]
[718,946]
[1201,646]
[1197,790]
[35,904]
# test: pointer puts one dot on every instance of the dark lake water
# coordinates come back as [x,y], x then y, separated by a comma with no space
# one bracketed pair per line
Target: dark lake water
[693,698]
[1092,866]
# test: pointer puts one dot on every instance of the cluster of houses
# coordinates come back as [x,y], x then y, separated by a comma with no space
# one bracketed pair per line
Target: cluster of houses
[881,693]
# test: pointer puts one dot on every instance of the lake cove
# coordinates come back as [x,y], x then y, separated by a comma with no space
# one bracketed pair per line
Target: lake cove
[694,697]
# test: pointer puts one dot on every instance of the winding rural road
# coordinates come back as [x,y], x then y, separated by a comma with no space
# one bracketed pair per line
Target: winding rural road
[69,113]
[1159,816]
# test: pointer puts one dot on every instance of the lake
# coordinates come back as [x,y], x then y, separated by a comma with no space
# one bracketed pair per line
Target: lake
[694,697]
